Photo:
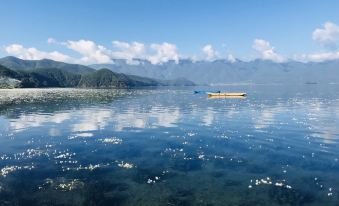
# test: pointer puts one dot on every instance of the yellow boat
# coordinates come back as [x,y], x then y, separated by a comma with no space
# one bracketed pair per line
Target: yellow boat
[227,94]
[226,97]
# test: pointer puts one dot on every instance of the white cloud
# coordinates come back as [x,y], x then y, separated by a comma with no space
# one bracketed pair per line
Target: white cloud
[267,51]
[209,52]
[163,53]
[35,54]
[231,58]
[90,51]
[328,35]
[155,53]
[129,51]
[51,41]
[318,57]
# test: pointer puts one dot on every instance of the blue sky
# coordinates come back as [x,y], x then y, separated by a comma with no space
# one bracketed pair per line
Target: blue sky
[284,29]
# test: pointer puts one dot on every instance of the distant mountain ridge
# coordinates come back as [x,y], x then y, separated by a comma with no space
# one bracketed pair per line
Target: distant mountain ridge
[225,72]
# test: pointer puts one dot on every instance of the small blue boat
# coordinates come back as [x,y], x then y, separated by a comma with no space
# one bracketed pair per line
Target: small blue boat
[204,92]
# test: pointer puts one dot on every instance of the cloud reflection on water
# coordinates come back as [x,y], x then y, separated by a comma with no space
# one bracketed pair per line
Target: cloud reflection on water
[144,112]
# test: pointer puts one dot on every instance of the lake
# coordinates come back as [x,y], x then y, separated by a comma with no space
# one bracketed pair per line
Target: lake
[169,146]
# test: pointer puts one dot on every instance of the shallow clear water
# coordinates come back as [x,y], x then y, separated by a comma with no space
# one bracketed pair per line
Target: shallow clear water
[278,146]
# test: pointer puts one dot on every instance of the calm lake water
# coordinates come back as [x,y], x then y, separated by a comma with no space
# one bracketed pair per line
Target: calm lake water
[168,146]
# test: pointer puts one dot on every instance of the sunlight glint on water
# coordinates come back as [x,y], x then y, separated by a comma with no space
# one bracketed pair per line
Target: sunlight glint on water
[170,146]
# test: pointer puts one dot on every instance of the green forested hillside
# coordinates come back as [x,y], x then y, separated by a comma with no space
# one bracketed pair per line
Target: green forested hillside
[107,78]
[8,78]
[4,71]
[54,77]
[103,78]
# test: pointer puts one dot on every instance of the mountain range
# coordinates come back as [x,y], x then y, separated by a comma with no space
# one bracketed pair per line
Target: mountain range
[225,72]
[47,73]
[15,72]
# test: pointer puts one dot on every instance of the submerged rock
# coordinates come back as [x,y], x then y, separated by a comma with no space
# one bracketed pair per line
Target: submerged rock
[256,169]
[106,193]
[187,165]
[285,196]
[181,198]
